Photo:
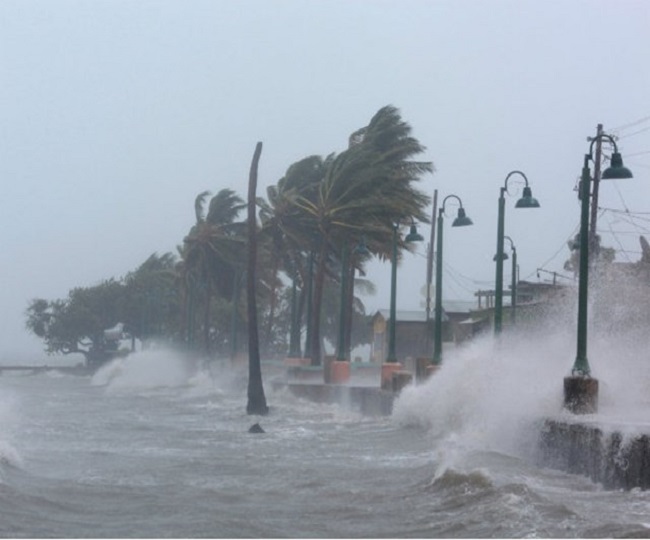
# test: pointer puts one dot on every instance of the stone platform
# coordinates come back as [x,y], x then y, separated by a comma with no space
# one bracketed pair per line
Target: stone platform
[618,457]
[367,400]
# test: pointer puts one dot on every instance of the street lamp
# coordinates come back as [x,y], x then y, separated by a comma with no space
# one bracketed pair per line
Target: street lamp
[461,221]
[580,390]
[412,236]
[513,286]
[527,201]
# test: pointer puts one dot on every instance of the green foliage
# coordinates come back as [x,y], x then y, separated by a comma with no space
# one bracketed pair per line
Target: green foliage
[320,206]
[150,306]
[77,323]
[213,256]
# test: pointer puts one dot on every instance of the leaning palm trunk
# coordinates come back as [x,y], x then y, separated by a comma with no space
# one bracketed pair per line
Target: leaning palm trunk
[273,301]
[256,398]
[319,282]
[206,318]
[349,309]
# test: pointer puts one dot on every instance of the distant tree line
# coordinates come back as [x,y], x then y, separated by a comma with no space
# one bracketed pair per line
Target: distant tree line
[196,298]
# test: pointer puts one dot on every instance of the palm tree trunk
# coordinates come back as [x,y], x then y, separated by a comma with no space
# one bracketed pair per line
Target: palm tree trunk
[349,312]
[206,317]
[309,296]
[319,282]
[272,306]
[184,310]
[256,397]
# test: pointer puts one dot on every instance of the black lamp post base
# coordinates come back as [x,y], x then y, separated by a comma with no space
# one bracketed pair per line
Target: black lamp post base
[581,395]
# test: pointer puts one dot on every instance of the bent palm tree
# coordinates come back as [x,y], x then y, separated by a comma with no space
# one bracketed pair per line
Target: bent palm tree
[256,398]
[213,252]
[365,190]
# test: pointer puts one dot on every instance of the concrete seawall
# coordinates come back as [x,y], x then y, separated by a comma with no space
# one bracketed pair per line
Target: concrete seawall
[613,454]
[367,400]
[602,452]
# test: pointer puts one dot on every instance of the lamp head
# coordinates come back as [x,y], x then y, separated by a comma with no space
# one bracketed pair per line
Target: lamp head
[504,256]
[616,169]
[414,235]
[361,248]
[527,200]
[462,220]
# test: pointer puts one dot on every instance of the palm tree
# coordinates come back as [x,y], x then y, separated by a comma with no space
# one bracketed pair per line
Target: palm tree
[213,252]
[289,235]
[256,398]
[365,190]
[322,205]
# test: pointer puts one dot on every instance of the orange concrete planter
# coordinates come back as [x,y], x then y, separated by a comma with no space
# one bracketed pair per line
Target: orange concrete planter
[240,360]
[421,364]
[387,370]
[400,380]
[290,361]
[339,372]
[431,370]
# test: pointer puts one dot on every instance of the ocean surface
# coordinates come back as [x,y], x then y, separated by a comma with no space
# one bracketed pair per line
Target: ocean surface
[153,446]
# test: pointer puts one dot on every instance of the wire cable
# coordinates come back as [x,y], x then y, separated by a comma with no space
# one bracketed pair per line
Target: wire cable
[635,133]
[631,124]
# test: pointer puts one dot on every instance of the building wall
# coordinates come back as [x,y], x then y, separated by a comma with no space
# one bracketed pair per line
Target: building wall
[414,339]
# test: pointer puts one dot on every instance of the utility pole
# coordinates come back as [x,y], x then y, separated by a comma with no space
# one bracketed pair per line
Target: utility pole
[430,254]
[593,243]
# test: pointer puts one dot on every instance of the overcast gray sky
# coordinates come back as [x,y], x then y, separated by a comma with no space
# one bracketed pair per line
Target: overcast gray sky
[115,114]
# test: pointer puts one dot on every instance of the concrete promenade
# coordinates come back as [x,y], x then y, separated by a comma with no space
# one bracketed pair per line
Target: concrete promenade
[362,393]
[615,454]
[72,370]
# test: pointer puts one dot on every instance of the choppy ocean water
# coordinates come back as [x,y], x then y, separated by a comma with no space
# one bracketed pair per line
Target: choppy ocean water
[152,447]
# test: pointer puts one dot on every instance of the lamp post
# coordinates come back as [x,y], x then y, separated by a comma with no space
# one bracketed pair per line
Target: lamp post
[461,221]
[390,364]
[527,201]
[580,389]
[513,286]
[412,236]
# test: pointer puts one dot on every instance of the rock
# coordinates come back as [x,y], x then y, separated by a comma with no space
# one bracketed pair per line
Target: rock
[256,428]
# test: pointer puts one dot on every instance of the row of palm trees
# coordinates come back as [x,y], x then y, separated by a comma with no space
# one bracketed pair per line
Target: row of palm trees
[309,223]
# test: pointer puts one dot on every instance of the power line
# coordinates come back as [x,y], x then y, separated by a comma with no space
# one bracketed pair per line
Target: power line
[631,124]
[618,242]
[638,153]
[634,133]
[631,220]
[613,232]
[563,246]
[619,211]
[452,275]
[620,195]
[642,165]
